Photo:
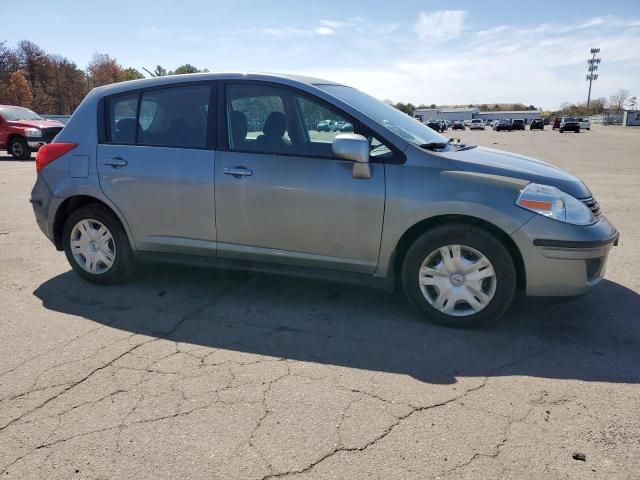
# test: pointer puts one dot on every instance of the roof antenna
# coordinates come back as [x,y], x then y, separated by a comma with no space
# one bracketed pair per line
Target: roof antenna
[152,75]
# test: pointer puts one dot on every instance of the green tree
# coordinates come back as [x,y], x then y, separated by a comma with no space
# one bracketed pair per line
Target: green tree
[132,74]
[186,68]
[160,71]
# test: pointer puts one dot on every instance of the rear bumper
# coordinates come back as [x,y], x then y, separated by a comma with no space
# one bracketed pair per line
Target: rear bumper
[42,203]
[562,259]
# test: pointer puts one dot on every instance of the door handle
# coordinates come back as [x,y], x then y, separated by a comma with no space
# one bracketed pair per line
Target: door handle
[237,171]
[116,162]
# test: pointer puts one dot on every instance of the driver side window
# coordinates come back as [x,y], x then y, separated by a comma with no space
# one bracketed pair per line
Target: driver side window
[271,120]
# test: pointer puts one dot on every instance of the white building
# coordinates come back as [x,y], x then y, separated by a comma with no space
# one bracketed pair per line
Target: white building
[526,115]
[425,114]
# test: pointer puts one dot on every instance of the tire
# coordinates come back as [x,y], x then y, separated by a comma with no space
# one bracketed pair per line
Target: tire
[123,263]
[469,238]
[19,149]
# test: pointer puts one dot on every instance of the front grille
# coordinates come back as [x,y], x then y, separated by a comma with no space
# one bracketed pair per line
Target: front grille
[49,133]
[593,205]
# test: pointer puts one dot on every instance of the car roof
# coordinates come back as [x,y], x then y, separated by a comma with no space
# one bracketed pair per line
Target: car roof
[284,78]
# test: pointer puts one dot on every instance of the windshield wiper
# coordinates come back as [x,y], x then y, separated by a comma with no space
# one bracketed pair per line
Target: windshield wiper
[466,147]
[437,146]
[434,146]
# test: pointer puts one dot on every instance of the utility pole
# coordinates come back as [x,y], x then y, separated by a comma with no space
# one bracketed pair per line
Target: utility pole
[592,68]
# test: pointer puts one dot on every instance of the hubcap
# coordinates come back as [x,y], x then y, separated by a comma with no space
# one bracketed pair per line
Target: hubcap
[17,149]
[457,280]
[93,246]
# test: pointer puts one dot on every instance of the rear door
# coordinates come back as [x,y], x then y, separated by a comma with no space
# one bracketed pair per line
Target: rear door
[281,196]
[156,164]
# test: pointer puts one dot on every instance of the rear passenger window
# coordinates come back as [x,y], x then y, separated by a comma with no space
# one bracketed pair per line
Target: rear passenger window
[174,117]
[122,118]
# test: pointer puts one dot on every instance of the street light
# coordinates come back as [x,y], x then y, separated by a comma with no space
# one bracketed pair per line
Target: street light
[592,68]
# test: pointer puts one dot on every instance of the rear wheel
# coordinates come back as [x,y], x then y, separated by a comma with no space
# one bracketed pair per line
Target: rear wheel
[19,149]
[459,276]
[96,245]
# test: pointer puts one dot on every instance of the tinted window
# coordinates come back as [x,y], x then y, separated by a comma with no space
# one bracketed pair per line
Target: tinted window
[122,118]
[248,109]
[266,119]
[174,117]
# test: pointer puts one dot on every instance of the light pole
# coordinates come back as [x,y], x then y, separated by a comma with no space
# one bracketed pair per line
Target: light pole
[592,68]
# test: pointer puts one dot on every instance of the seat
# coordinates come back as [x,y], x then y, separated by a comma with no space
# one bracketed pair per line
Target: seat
[125,130]
[274,128]
[239,128]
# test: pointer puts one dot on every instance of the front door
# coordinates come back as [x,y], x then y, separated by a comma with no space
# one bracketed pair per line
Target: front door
[282,197]
[156,168]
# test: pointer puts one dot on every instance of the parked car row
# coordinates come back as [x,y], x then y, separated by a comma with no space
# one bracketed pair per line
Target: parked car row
[481,124]
[572,124]
[334,126]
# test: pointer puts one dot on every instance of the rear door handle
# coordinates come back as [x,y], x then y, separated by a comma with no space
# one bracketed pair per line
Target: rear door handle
[237,171]
[116,162]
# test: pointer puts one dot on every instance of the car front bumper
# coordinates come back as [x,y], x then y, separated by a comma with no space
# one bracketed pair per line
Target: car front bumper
[562,259]
[35,143]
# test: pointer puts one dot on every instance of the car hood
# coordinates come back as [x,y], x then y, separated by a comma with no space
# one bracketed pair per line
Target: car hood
[506,164]
[36,123]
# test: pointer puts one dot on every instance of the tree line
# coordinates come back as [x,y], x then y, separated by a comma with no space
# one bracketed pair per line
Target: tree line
[53,84]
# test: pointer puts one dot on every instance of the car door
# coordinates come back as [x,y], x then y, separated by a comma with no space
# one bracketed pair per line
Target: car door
[280,194]
[156,165]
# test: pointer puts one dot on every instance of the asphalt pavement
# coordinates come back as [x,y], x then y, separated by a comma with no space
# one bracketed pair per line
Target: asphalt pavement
[199,373]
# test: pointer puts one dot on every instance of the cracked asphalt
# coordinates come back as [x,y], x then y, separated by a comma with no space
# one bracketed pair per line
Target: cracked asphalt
[195,373]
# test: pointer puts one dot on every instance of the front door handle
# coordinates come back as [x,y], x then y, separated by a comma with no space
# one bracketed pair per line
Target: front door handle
[116,162]
[237,171]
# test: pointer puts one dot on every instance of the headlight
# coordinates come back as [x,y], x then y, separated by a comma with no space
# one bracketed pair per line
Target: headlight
[554,203]
[33,132]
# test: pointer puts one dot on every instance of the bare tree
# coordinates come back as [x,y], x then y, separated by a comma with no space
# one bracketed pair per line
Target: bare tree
[617,100]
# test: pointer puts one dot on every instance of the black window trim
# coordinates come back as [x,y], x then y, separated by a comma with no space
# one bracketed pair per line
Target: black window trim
[223,135]
[104,124]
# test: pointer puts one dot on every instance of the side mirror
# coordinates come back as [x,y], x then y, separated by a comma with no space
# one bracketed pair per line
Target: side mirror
[353,147]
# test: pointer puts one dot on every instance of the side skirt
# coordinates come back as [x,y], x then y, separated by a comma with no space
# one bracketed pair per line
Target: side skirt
[372,281]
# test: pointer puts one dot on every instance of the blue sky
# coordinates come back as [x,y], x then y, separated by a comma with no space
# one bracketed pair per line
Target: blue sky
[477,51]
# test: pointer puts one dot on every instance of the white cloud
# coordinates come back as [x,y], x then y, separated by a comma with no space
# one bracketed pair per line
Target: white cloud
[324,31]
[502,64]
[440,25]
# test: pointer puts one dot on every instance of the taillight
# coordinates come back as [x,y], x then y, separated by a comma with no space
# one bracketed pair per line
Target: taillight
[51,151]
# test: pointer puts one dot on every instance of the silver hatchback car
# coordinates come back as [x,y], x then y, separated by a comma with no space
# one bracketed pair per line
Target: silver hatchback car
[231,170]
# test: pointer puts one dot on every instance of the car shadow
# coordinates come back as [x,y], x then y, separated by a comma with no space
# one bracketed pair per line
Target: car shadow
[8,158]
[593,338]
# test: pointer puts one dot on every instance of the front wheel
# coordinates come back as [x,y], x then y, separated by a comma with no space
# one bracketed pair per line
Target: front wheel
[96,245]
[459,275]
[19,149]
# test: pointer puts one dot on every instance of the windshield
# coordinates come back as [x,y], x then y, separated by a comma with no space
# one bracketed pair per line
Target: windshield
[399,123]
[19,113]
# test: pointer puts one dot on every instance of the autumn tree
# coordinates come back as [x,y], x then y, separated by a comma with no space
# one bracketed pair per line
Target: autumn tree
[103,70]
[19,89]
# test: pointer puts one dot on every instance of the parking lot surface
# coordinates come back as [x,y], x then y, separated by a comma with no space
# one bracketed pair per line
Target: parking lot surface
[194,373]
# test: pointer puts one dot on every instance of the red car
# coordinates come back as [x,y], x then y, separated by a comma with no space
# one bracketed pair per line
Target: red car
[23,131]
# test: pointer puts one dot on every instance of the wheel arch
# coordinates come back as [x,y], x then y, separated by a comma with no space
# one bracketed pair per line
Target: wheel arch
[71,204]
[411,234]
